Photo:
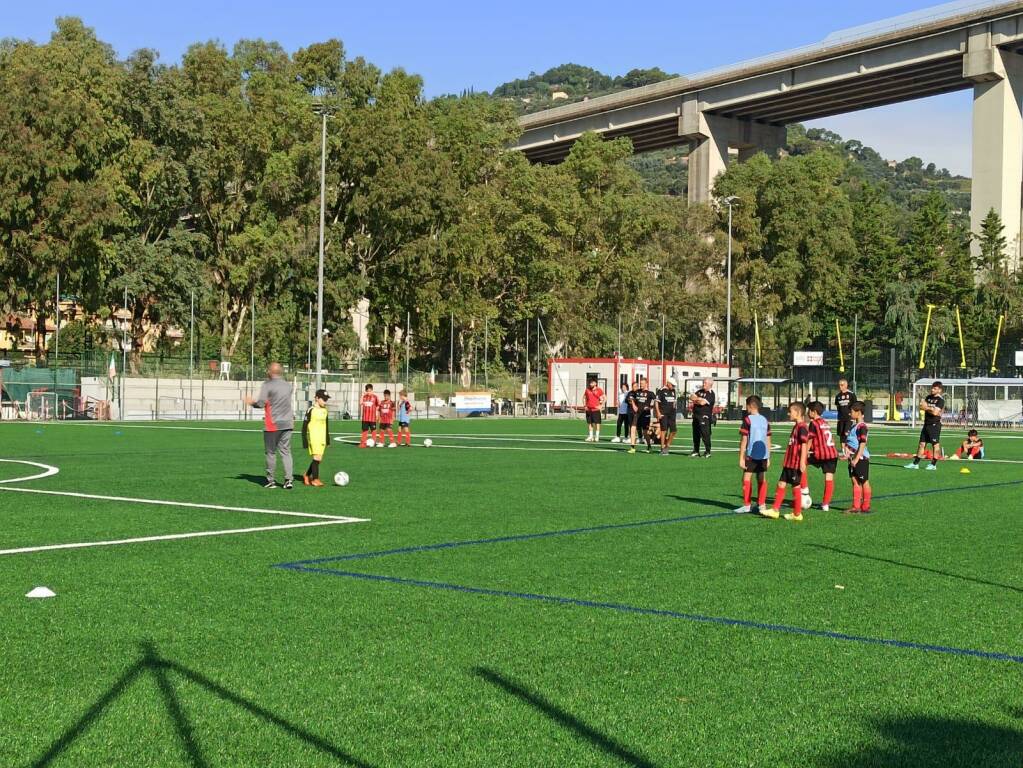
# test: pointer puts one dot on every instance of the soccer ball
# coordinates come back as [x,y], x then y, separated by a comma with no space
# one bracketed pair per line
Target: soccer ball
[427,443]
[341,478]
[370,442]
[807,500]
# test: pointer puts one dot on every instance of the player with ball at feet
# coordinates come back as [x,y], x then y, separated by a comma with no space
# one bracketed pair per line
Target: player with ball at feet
[316,436]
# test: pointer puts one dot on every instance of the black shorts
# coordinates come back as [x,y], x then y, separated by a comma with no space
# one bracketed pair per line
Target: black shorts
[791,476]
[369,426]
[641,420]
[844,428]
[931,433]
[669,424]
[593,417]
[861,471]
[827,466]
[756,466]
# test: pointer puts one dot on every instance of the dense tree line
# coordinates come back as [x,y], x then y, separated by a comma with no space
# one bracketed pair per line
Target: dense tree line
[200,181]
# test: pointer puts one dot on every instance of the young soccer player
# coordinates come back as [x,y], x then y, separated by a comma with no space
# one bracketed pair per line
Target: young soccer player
[404,419]
[593,403]
[972,447]
[623,414]
[823,451]
[370,402]
[754,455]
[933,405]
[793,467]
[386,411]
[843,404]
[640,399]
[316,436]
[859,462]
[666,410]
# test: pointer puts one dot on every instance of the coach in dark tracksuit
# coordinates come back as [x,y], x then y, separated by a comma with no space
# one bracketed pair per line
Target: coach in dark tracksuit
[276,400]
[702,405]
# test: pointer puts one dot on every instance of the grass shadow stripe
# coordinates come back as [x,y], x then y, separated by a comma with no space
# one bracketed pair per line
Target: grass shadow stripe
[664,613]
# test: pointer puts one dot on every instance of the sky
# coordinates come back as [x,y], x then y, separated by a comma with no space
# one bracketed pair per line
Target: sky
[459,45]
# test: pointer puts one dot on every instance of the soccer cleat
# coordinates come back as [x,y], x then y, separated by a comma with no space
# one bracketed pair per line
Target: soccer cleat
[379,445]
[754,509]
[825,507]
[270,484]
[912,466]
[288,485]
[743,510]
[770,513]
[694,455]
[931,467]
[317,483]
[306,480]
[794,518]
[851,511]
[616,439]
[632,449]
[706,455]
[392,445]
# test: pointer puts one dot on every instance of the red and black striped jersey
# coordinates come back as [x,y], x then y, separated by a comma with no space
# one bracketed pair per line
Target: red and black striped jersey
[822,444]
[386,409]
[793,453]
[370,402]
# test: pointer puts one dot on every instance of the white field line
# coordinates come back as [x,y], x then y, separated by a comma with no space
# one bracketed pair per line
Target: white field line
[48,471]
[174,536]
[348,437]
[621,447]
[188,504]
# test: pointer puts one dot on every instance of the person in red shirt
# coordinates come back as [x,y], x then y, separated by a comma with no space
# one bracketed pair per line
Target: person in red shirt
[793,467]
[593,403]
[369,404]
[386,409]
[823,452]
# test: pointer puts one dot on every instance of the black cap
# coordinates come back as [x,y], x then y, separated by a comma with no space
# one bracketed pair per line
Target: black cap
[322,394]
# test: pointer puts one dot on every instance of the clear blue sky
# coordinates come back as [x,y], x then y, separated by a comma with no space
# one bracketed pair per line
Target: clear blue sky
[457,45]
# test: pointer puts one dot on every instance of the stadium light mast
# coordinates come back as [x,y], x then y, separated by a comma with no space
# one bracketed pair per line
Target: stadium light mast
[729,201]
[323,112]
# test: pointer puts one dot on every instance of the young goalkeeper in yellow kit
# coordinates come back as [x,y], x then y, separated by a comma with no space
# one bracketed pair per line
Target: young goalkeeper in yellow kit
[316,436]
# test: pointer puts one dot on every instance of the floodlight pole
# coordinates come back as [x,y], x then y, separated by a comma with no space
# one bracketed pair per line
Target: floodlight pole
[56,340]
[729,201]
[124,352]
[319,268]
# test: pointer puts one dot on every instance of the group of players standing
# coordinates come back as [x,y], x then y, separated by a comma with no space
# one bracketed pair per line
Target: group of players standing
[651,416]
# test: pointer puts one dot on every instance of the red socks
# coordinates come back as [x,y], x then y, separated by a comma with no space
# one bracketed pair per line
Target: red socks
[797,498]
[747,491]
[804,483]
[866,497]
[857,497]
[762,493]
[829,490]
[779,497]
[362,443]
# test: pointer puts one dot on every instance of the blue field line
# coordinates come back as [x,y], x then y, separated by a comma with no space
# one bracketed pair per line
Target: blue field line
[623,608]
[504,539]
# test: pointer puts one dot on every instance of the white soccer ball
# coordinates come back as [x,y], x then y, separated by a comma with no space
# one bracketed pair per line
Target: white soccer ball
[807,500]
[341,478]
[370,443]
[427,443]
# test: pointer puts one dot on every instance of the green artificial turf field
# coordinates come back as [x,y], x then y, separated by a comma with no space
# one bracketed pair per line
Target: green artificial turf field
[652,627]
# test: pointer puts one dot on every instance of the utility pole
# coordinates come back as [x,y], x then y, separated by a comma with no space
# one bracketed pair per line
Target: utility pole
[319,267]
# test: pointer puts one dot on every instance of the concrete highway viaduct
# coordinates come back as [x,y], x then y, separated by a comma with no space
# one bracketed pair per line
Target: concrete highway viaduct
[745,107]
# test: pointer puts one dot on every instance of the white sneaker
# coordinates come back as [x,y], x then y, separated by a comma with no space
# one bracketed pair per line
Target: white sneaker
[616,439]
[825,507]
[589,439]
[743,510]
[380,445]
[392,445]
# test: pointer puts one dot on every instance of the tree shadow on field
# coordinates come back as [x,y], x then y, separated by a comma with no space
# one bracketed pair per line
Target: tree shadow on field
[718,503]
[151,662]
[565,719]
[933,742]
[923,568]
[254,479]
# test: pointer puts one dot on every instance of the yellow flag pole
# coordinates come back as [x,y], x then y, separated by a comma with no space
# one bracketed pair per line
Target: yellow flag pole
[998,339]
[841,353]
[927,330]
[962,347]
[756,332]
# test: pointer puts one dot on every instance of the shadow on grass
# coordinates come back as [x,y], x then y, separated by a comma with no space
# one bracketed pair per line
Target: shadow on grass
[600,740]
[254,479]
[923,568]
[933,742]
[152,662]
[718,503]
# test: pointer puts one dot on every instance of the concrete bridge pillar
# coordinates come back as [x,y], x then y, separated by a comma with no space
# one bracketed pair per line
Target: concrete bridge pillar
[997,138]
[710,139]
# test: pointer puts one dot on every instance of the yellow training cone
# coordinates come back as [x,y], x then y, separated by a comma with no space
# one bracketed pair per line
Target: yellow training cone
[964,471]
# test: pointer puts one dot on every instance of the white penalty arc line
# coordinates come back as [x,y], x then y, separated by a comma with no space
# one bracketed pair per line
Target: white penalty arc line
[175,536]
[187,504]
[48,471]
